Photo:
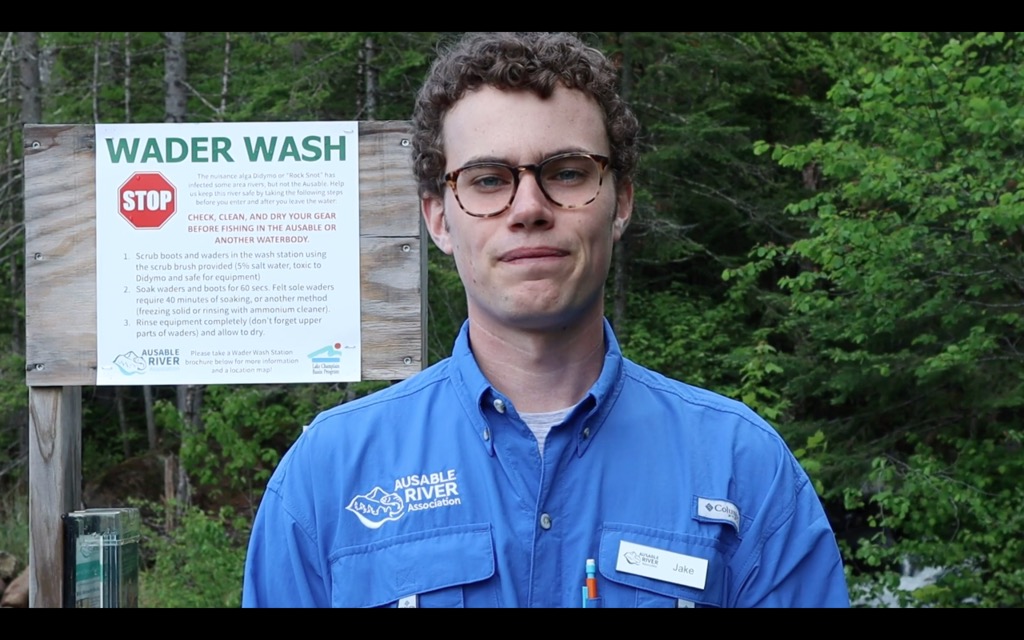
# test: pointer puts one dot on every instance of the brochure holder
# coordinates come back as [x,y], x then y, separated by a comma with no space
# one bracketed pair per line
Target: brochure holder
[101,559]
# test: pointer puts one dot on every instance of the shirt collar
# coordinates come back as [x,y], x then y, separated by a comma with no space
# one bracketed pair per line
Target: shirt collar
[475,390]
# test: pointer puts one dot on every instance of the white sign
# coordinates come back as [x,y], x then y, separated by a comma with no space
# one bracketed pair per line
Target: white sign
[227,253]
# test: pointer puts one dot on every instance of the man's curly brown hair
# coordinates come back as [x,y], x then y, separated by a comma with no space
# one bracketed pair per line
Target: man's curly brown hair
[537,62]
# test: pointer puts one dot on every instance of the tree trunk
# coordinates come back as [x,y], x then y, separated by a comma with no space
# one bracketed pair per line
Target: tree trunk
[122,421]
[370,78]
[31,95]
[170,492]
[225,76]
[31,113]
[190,402]
[175,110]
[147,399]
[127,76]
[175,77]
[96,78]
[621,253]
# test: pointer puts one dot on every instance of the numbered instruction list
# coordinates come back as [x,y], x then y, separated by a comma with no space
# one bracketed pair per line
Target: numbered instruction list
[227,253]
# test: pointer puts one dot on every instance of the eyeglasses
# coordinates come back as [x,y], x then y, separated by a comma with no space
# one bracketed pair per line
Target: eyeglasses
[569,180]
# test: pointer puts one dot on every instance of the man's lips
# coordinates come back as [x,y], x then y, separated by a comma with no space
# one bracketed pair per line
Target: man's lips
[533,254]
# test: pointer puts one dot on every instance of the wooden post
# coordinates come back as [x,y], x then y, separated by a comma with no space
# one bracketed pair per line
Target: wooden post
[54,485]
[60,305]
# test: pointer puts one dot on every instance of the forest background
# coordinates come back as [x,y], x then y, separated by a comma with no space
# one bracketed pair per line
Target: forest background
[829,227]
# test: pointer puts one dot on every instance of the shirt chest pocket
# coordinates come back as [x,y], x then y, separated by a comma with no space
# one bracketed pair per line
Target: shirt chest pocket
[440,567]
[649,568]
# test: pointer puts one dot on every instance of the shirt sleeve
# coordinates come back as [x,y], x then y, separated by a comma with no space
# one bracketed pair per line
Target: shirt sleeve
[283,564]
[798,564]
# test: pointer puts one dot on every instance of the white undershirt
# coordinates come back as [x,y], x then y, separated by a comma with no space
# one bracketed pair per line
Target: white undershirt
[541,423]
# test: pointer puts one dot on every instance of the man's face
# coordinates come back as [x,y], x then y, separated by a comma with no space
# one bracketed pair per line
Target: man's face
[536,266]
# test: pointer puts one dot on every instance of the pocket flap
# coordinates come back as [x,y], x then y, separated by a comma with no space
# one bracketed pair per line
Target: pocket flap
[416,563]
[676,565]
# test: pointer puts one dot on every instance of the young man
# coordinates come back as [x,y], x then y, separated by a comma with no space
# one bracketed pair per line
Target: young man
[495,477]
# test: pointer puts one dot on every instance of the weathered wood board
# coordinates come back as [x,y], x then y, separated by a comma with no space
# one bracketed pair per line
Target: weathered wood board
[60,241]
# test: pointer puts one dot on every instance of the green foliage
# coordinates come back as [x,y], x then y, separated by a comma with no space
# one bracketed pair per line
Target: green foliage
[910,273]
[897,308]
[811,457]
[242,76]
[13,404]
[14,531]
[240,439]
[447,304]
[703,199]
[246,429]
[322,75]
[199,565]
[758,389]
[680,335]
[958,505]
[91,72]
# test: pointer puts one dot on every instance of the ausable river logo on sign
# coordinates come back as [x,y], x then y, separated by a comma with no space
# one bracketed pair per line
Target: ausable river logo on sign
[131,363]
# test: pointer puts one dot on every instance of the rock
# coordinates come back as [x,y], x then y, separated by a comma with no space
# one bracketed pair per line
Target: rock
[8,563]
[16,594]
[138,478]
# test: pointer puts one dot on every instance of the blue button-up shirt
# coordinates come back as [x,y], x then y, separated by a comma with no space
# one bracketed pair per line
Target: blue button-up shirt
[432,492]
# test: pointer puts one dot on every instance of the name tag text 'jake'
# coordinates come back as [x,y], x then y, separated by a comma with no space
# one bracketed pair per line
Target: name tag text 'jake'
[659,564]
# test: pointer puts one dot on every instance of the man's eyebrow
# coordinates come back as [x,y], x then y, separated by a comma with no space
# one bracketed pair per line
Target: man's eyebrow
[486,160]
[506,161]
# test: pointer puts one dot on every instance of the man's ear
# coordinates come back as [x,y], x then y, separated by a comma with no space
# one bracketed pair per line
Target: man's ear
[433,214]
[623,209]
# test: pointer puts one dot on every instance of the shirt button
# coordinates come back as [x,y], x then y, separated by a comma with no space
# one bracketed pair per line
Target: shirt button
[487,434]
[586,433]
[545,521]
[499,405]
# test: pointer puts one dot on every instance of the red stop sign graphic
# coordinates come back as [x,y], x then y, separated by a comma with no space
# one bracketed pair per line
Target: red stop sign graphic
[147,200]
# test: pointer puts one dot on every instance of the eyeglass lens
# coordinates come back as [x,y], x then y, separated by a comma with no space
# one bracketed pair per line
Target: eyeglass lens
[568,181]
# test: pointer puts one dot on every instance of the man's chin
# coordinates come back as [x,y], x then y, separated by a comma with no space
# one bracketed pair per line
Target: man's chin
[538,318]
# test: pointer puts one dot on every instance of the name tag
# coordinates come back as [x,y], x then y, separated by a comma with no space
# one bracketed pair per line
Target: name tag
[659,564]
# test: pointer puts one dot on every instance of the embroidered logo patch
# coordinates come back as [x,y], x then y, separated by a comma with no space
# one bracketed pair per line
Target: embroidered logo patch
[718,511]
[377,507]
[417,492]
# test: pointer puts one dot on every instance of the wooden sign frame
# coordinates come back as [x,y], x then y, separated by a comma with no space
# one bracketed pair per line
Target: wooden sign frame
[60,305]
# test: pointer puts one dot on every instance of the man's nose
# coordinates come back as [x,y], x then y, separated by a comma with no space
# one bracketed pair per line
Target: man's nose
[530,207]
